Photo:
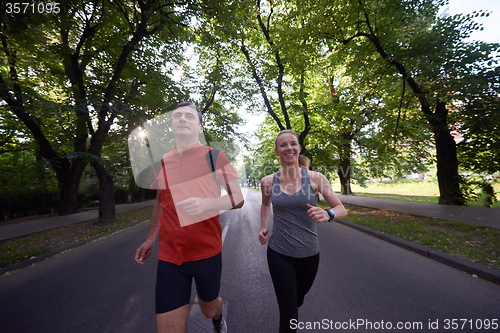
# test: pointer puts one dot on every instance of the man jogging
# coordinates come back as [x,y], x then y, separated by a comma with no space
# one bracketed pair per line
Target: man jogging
[186,219]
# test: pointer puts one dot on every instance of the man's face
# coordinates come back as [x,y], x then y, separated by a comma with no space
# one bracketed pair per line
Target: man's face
[185,122]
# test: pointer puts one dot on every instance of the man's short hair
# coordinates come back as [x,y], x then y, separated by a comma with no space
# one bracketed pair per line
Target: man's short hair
[192,106]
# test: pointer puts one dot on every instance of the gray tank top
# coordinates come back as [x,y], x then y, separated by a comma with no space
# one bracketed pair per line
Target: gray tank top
[294,233]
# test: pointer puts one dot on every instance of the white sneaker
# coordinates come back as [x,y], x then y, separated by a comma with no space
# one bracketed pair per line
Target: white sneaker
[223,327]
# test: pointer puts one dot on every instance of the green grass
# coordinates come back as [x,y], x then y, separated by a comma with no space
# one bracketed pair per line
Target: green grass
[405,187]
[22,248]
[410,190]
[400,197]
[468,241]
[97,232]
[13,253]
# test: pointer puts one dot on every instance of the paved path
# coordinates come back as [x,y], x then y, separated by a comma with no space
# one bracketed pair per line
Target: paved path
[486,217]
[362,282]
[25,228]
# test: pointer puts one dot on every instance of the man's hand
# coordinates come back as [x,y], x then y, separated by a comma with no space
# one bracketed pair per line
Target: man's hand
[143,252]
[194,206]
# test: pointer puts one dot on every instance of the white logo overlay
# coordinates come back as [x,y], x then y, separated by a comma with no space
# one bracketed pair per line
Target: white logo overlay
[148,145]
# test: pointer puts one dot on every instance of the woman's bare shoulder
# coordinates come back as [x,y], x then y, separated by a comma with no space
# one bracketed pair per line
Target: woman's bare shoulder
[267,180]
[315,175]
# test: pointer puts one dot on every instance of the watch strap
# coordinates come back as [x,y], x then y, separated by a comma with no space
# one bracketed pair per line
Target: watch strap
[331,213]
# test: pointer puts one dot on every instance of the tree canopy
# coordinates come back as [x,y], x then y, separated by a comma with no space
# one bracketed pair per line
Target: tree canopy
[372,86]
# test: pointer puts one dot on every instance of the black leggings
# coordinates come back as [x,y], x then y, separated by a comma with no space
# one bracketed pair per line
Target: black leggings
[292,280]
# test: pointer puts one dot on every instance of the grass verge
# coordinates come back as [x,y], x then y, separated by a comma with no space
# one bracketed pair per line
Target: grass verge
[22,248]
[475,243]
[400,197]
[411,190]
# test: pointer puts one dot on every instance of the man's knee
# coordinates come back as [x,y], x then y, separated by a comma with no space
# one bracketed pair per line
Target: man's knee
[209,314]
[211,309]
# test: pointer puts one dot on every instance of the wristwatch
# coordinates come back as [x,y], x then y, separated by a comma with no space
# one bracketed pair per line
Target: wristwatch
[331,213]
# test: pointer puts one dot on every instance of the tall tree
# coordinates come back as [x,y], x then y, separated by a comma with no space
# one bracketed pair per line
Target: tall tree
[427,51]
[86,49]
[268,41]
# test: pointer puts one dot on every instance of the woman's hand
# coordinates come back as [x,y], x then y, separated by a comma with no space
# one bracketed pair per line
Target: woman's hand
[263,237]
[317,214]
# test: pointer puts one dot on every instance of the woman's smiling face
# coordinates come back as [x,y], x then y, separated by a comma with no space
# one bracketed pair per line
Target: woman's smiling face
[287,147]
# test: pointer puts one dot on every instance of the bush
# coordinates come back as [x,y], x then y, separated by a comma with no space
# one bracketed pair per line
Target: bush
[22,202]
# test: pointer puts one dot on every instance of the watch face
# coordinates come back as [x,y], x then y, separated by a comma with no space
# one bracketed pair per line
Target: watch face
[331,213]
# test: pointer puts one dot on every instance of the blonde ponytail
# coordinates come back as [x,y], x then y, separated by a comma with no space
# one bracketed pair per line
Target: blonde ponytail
[304,162]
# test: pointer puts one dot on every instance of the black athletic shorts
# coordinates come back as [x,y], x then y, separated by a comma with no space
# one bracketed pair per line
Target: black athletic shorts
[173,282]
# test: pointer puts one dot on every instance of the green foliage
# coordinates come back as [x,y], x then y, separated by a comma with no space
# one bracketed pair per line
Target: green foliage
[104,67]
[101,67]
[436,64]
[480,149]
[27,185]
[476,187]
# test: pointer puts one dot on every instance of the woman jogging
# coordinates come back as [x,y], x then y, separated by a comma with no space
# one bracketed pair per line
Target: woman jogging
[293,251]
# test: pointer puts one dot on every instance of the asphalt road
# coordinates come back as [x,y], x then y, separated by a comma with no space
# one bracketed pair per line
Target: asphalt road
[363,285]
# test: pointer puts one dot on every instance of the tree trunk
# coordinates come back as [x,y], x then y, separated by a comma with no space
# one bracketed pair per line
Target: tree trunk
[344,173]
[344,170]
[447,161]
[262,88]
[107,210]
[142,194]
[69,183]
[68,201]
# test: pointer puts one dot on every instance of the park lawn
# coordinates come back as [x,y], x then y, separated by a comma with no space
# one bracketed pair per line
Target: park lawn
[471,242]
[409,190]
[400,197]
[22,248]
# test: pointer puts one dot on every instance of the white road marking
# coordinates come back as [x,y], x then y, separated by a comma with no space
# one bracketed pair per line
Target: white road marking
[224,232]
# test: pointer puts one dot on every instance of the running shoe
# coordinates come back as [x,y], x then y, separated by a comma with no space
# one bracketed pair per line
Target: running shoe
[222,328]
